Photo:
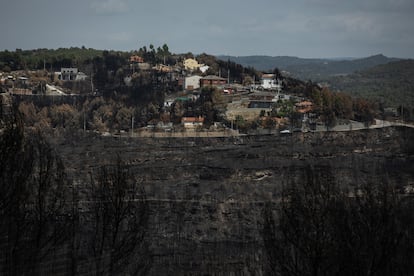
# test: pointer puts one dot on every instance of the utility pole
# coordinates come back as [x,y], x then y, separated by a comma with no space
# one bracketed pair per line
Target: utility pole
[92,80]
[132,126]
[84,123]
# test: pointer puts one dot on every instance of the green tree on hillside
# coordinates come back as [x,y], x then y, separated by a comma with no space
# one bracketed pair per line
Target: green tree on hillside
[364,111]
[210,104]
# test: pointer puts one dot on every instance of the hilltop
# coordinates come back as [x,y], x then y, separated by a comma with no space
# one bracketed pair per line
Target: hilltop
[391,84]
[310,68]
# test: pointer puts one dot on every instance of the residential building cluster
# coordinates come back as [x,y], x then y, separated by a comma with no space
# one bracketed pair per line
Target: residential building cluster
[254,102]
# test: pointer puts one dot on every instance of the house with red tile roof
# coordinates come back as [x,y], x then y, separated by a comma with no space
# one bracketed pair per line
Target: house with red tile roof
[192,122]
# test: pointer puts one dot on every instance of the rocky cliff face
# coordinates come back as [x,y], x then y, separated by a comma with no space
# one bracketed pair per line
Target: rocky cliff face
[206,195]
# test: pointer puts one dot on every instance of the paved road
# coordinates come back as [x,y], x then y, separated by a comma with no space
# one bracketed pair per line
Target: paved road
[353,125]
[53,90]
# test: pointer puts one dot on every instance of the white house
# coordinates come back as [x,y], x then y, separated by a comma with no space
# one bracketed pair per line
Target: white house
[204,68]
[193,82]
[70,74]
[168,102]
[81,76]
[269,81]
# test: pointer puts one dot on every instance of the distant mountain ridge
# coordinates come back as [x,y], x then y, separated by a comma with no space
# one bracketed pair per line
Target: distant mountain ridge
[314,69]
[391,84]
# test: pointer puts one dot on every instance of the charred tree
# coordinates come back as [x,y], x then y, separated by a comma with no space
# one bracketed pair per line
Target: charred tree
[33,210]
[316,228]
[118,218]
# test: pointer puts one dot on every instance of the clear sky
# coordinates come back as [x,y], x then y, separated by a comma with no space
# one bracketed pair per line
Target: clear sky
[303,28]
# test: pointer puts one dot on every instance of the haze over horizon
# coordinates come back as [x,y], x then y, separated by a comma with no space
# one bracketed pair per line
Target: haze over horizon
[302,28]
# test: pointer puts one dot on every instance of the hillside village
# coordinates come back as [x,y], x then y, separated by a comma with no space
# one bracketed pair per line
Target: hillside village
[153,92]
